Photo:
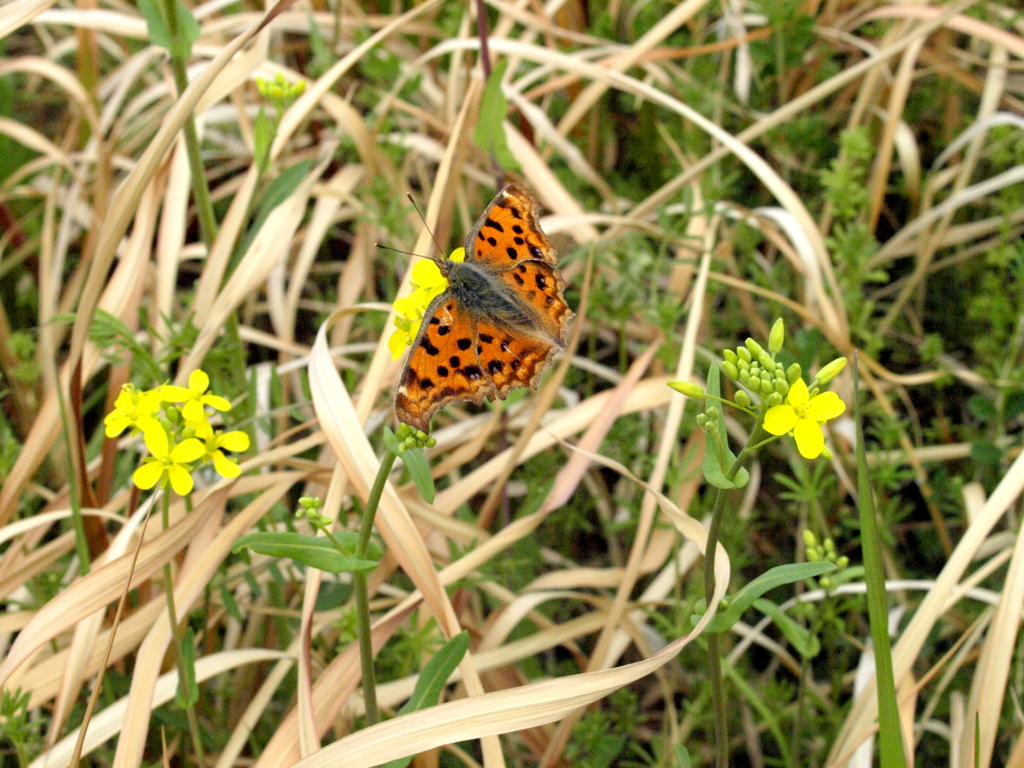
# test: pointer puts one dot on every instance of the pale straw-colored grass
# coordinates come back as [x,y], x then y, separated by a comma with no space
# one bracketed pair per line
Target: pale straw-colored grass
[116,232]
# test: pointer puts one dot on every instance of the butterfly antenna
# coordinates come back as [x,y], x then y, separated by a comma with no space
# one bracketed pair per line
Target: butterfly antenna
[427,226]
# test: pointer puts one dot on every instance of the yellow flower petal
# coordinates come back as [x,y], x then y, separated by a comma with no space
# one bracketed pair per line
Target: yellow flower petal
[217,402]
[780,420]
[173,394]
[234,441]
[156,441]
[148,475]
[181,481]
[193,410]
[198,381]
[426,273]
[225,467]
[825,406]
[187,450]
[810,440]
[459,254]
[396,344]
[798,394]
[202,427]
[116,424]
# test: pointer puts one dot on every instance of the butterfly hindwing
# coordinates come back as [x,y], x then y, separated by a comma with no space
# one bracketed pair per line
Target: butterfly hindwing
[540,285]
[512,360]
[443,366]
[509,231]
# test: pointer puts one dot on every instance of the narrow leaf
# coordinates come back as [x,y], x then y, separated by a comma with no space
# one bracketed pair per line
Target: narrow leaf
[682,757]
[806,644]
[431,682]
[489,133]
[314,551]
[890,739]
[419,470]
[767,581]
[188,688]
[715,465]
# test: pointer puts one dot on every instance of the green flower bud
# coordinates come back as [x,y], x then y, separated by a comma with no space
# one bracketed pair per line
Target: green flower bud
[431,441]
[842,562]
[830,371]
[403,431]
[755,348]
[712,413]
[809,538]
[813,555]
[730,370]
[793,373]
[826,453]
[729,355]
[744,354]
[701,420]
[742,399]
[686,388]
[826,582]
[781,387]
[773,400]
[744,378]
[777,336]
[766,362]
[830,545]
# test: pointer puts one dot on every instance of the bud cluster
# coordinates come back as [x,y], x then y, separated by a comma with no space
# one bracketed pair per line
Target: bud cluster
[754,367]
[309,508]
[410,437]
[824,552]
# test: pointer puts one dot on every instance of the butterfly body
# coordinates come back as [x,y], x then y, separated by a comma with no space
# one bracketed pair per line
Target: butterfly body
[500,321]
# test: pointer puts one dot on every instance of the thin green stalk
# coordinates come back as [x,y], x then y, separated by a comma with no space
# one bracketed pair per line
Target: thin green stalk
[74,496]
[362,592]
[179,656]
[714,639]
[200,189]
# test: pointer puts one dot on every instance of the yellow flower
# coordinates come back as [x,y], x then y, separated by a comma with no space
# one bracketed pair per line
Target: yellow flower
[194,397]
[132,409]
[236,441]
[428,283]
[167,462]
[803,415]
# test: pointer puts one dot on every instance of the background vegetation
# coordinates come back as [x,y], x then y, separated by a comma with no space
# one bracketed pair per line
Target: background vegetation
[853,167]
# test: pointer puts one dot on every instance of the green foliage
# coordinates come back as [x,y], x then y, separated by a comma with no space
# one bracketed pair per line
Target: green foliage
[171,26]
[489,133]
[314,551]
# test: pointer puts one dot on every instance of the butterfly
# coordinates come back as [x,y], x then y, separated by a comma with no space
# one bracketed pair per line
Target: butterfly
[500,321]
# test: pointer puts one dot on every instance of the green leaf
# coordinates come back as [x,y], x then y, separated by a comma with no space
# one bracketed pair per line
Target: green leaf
[489,133]
[806,644]
[391,441]
[263,131]
[279,190]
[230,604]
[767,581]
[314,551]
[159,29]
[188,688]
[431,682]
[419,470]
[890,737]
[323,57]
[714,471]
[682,756]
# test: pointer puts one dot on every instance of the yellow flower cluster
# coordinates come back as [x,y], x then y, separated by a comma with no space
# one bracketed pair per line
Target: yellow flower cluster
[428,283]
[177,431]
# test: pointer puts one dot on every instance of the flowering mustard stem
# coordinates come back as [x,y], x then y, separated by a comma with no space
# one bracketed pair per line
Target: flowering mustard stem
[714,638]
[362,592]
[179,656]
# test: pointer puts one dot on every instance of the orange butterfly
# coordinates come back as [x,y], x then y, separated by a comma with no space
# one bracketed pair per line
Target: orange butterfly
[500,321]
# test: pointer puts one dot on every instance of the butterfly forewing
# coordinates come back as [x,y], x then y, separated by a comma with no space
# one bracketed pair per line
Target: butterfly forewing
[540,285]
[443,367]
[509,231]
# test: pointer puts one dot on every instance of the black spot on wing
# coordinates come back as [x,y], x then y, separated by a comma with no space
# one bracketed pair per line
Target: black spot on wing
[512,253]
[442,371]
[495,366]
[464,344]
[430,348]
[492,224]
[535,251]
[486,338]
[518,279]
[472,372]
[517,229]
[443,330]
[426,384]
[542,282]
[454,362]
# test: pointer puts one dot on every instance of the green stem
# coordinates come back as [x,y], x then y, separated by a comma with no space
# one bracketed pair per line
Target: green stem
[714,639]
[200,189]
[179,656]
[362,592]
